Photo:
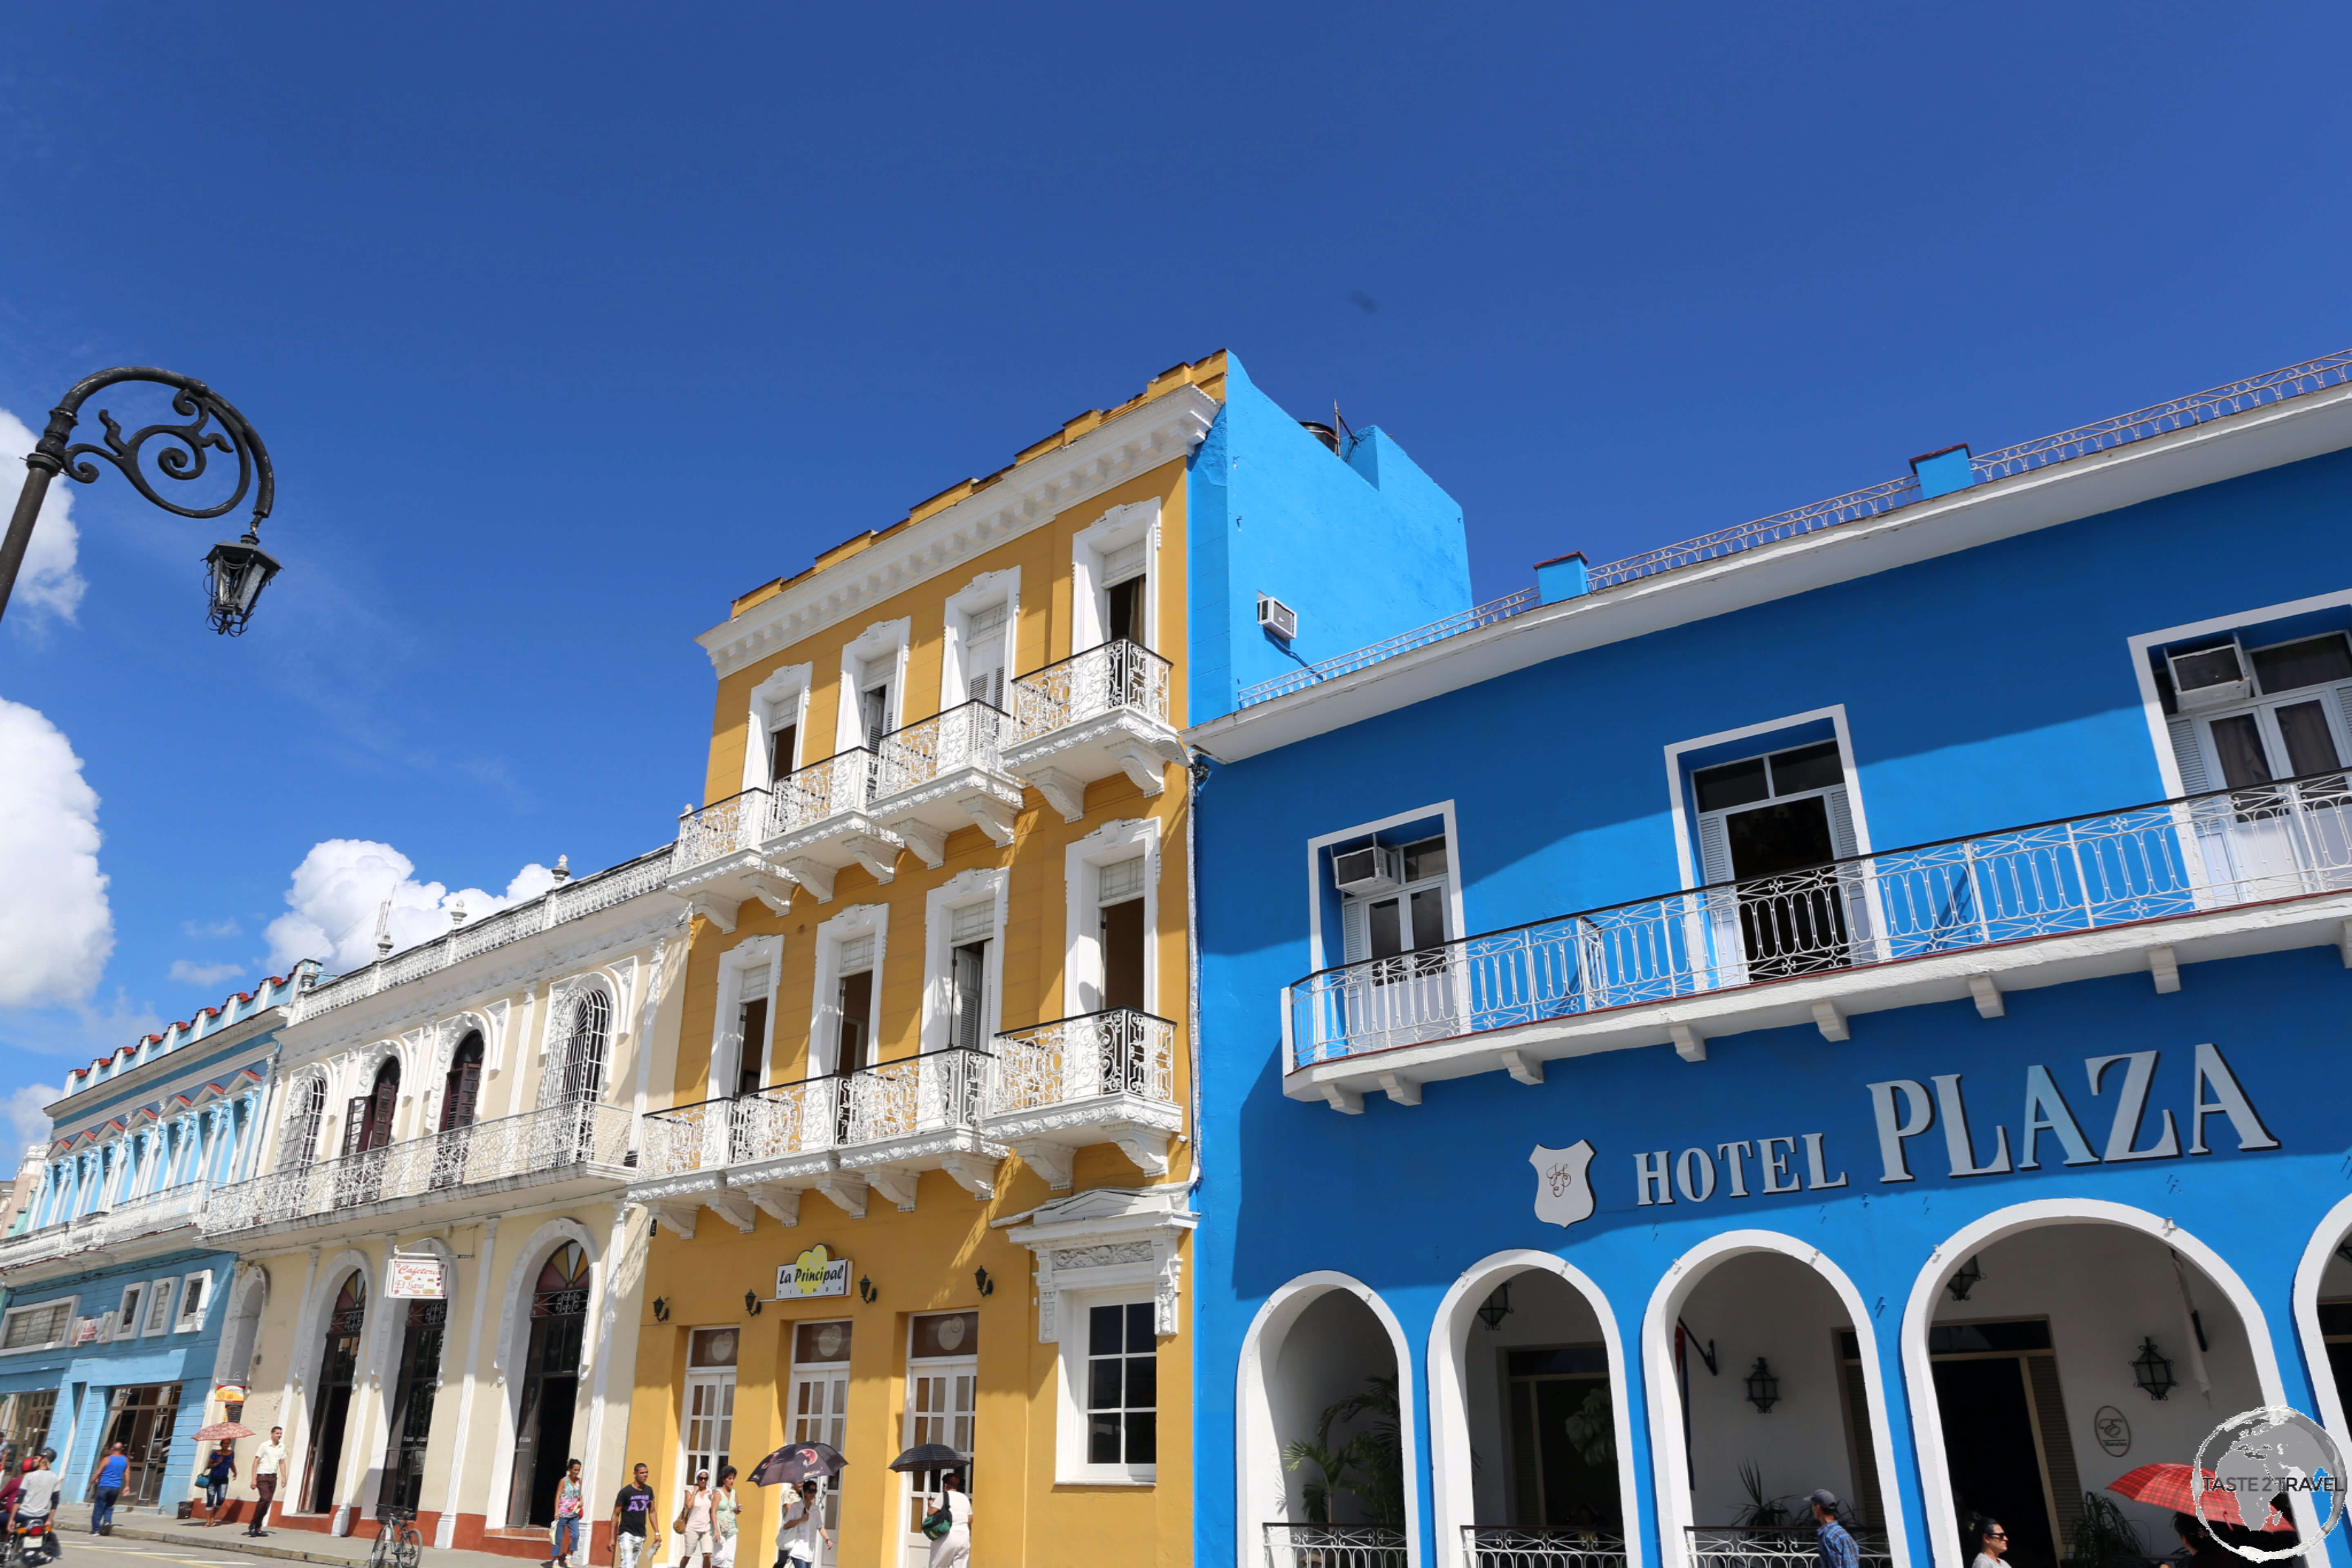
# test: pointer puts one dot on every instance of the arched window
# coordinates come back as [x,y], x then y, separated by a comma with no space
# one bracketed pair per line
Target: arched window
[584,1047]
[310,1109]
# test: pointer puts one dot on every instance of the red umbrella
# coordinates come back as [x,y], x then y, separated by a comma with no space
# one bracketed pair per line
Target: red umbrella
[2167,1486]
[221,1429]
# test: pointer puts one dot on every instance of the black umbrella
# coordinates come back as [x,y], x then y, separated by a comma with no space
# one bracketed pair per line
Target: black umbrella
[798,1462]
[928,1456]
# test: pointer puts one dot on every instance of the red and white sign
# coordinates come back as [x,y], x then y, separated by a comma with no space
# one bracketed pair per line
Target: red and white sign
[416,1279]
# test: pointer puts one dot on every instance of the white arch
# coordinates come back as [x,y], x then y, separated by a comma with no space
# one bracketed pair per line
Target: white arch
[1453,1498]
[2321,1248]
[1254,1445]
[514,1329]
[1919,1368]
[1669,1481]
[304,1358]
[248,1298]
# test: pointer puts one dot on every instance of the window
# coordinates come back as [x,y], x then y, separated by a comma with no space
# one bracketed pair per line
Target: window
[37,1327]
[310,1109]
[1119,897]
[584,1047]
[783,750]
[2290,729]
[159,1306]
[1773,823]
[853,1005]
[1409,919]
[25,1419]
[983,655]
[195,1296]
[126,1316]
[873,717]
[1123,582]
[942,1378]
[1122,1385]
[970,929]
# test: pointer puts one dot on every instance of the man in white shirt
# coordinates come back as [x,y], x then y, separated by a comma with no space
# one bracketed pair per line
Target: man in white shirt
[39,1499]
[269,1463]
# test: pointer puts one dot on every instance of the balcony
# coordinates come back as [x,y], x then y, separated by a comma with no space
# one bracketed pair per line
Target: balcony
[123,1222]
[2146,888]
[802,829]
[944,773]
[1509,1546]
[1102,1077]
[1774,1545]
[877,1129]
[1335,1546]
[1092,715]
[573,1150]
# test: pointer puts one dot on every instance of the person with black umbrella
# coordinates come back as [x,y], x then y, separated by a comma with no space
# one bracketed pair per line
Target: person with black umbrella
[802,1538]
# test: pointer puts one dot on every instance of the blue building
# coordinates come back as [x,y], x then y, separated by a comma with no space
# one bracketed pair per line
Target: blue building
[122,1324]
[1853,1001]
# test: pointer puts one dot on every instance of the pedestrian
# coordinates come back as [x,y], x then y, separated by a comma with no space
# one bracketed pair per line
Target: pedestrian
[1988,1541]
[108,1489]
[952,1547]
[722,1519]
[39,1499]
[633,1508]
[570,1505]
[269,1463]
[2206,1550]
[10,1489]
[219,1471]
[693,1524]
[803,1535]
[1838,1549]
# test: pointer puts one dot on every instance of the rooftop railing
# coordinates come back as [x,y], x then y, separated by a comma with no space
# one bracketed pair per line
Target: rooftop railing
[574,1133]
[2083,441]
[1102,680]
[570,901]
[120,1222]
[965,736]
[2195,854]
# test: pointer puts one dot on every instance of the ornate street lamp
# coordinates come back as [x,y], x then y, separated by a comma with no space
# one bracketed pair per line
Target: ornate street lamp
[1763,1388]
[2152,1371]
[1497,1307]
[234,572]
[1964,1279]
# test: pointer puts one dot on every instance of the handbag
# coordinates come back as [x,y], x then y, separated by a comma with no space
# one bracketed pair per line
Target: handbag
[937,1524]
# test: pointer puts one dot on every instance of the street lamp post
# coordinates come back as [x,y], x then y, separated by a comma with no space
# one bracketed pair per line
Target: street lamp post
[234,573]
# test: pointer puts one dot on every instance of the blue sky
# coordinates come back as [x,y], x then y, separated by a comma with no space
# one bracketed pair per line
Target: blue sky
[565,325]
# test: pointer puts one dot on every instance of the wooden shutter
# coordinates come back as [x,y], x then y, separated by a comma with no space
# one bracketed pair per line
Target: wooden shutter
[2065,1481]
[1714,851]
[355,1119]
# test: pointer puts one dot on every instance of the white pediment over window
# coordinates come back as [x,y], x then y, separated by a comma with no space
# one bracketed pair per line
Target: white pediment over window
[1107,1238]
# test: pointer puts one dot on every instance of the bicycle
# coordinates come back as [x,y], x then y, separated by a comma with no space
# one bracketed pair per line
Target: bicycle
[397,1544]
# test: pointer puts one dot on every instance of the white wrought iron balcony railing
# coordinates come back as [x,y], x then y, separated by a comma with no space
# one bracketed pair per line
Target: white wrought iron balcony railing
[936,1091]
[2083,441]
[1774,1545]
[1334,1546]
[120,1222]
[578,1136]
[570,901]
[1117,1052]
[2191,856]
[932,1092]
[721,828]
[1509,1546]
[965,736]
[841,783]
[1103,679]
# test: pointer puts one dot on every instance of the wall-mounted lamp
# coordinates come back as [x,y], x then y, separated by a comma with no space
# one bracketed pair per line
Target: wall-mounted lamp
[865,1291]
[1497,1307]
[987,1285]
[1964,1278]
[1763,1388]
[751,1302]
[2152,1371]
[661,1309]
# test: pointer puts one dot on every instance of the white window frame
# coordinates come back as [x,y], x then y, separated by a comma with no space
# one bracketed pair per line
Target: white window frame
[825,1009]
[979,885]
[181,1322]
[129,1314]
[2160,732]
[759,955]
[1104,1288]
[1082,968]
[1686,830]
[163,1291]
[65,1323]
[883,639]
[1118,527]
[984,593]
[1323,957]
[781,699]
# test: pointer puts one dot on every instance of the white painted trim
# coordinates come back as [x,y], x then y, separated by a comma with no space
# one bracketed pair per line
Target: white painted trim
[983,592]
[1316,959]
[1918,1316]
[1453,1487]
[1670,1482]
[758,952]
[1072,1329]
[1082,962]
[2152,705]
[1115,529]
[980,884]
[824,1007]
[514,1341]
[1257,1449]
[73,1306]
[784,695]
[883,639]
[1684,859]
[2315,1254]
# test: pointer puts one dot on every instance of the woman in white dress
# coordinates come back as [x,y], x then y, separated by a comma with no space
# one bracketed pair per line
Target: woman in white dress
[953,1550]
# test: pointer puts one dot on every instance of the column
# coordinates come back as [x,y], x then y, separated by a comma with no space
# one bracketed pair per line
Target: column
[446,1535]
[617,1283]
[297,1422]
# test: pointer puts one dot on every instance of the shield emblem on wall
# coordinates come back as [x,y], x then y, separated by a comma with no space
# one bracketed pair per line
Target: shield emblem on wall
[1563,1194]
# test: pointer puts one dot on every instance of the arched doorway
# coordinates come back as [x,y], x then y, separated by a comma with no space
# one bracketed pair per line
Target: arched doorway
[2059,1356]
[461,1093]
[332,1399]
[551,1385]
[1327,1460]
[585,1045]
[412,1403]
[1527,1425]
[367,1127]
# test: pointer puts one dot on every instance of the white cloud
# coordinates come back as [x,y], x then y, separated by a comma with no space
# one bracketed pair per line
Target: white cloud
[46,580]
[22,1117]
[227,927]
[338,891]
[203,974]
[56,929]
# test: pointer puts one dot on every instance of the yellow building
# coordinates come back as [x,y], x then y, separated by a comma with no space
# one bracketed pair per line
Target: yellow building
[922,1176]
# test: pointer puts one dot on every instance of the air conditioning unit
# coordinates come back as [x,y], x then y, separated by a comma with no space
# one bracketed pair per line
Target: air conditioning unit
[1276,617]
[2210,677]
[1374,869]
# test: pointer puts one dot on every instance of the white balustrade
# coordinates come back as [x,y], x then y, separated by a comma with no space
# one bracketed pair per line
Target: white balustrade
[131,1217]
[806,796]
[965,736]
[1120,1051]
[1509,1546]
[1774,1545]
[933,1092]
[1103,678]
[1334,1546]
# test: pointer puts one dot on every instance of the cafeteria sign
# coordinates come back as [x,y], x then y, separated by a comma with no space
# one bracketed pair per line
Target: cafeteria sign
[415,1279]
[813,1273]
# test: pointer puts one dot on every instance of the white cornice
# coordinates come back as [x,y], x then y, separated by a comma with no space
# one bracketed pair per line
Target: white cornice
[1034,493]
[2265,438]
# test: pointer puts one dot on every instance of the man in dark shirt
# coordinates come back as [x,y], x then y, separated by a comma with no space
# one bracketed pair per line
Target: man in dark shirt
[630,1509]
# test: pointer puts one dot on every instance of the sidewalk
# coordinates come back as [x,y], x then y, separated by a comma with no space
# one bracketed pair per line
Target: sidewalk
[286,1545]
